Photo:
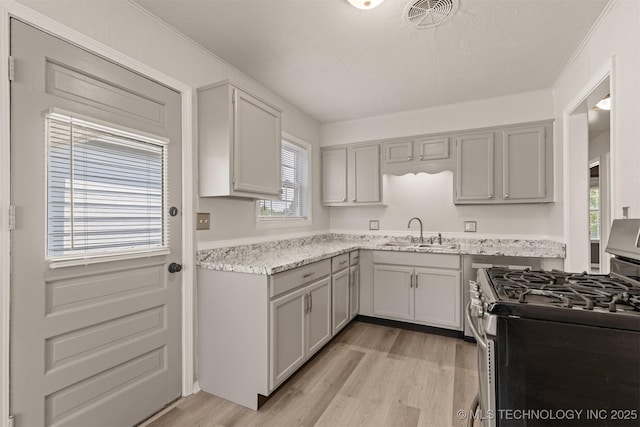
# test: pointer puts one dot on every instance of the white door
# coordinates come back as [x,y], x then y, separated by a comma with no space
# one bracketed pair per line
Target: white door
[365,173]
[334,176]
[318,315]
[393,291]
[95,315]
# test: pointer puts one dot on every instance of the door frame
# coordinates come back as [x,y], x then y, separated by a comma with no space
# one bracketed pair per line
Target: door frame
[575,149]
[11,9]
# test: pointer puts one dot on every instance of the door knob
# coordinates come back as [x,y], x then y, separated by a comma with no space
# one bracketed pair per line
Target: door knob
[174,267]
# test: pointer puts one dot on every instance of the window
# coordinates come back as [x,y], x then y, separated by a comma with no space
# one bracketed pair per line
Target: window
[293,204]
[594,213]
[105,190]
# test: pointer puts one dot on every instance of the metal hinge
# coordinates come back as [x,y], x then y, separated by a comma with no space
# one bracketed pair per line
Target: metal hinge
[12,217]
[11,421]
[12,68]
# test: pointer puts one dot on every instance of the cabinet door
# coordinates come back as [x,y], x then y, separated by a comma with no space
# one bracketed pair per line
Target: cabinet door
[318,315]
[398,152]
[287,346]
[475,169]
[437,298]
[524,163]
[432,149]
[354,291]
[257,146]
[334,176]
[365,174]
[340,299]
[393,291]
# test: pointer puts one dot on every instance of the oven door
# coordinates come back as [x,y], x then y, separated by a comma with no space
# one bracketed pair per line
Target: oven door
[486,374]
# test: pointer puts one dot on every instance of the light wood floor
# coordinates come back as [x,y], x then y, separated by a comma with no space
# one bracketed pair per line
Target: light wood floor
[369,375]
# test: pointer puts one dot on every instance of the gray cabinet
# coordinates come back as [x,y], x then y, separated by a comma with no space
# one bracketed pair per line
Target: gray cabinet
[431,154]
[418,288]
[505,165]
[340,292]
[475,167]
[239,143]
[354,284]
[318,315]
[351,175]
[287,335]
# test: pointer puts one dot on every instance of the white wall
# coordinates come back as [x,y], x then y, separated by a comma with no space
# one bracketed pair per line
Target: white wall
[430,197]
[504,110]
[599,143]
[615,39]
[130,30]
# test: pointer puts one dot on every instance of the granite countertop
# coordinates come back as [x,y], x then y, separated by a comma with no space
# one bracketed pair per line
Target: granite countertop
[280,255]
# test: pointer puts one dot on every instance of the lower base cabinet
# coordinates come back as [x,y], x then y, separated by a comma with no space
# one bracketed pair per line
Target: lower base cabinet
[425,295]
[354,291]
[300,325]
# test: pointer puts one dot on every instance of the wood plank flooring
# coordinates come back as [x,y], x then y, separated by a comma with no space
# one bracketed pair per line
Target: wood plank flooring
[369,375]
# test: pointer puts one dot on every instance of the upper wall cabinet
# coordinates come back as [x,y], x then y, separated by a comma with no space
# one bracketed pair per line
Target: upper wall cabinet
[239,144]
[430,154]
[351,175]
[507,165]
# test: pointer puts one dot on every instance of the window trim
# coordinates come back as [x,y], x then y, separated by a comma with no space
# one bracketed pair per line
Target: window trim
[274,222]
[71,260]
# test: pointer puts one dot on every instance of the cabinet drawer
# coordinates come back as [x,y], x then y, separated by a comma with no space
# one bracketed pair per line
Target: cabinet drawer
[417,259]
[339,262]
[290,279]
[354,257]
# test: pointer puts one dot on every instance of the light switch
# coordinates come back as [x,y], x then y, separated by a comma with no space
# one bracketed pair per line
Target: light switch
[470,226]
[203,221]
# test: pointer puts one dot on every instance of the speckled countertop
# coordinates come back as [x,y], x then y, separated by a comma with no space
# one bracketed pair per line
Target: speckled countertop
[281,255]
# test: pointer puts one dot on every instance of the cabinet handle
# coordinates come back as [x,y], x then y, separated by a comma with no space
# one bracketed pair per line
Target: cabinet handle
[408,157]
[306,303]
[421,157]
[506,196]
[490,196]
[310,302]
[344,200]
[416,284]
[354,199]
[342,262]
[411,281]
[305,276]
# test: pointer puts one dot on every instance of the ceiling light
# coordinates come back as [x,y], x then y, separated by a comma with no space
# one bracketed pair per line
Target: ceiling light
[365,4]
[604,103]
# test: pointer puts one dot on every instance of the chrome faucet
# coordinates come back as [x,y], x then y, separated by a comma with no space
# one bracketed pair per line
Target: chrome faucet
[440,239]
[420,221]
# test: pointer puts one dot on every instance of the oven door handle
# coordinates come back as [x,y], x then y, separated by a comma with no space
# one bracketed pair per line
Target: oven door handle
[481,342]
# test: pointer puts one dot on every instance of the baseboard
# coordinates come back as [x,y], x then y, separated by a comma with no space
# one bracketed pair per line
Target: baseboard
[410,326]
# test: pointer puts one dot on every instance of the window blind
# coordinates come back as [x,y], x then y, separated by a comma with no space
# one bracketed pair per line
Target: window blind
[292,203]
[105,190]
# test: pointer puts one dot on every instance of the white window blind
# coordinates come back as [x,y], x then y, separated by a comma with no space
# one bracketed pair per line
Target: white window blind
[105,190]
[292,203]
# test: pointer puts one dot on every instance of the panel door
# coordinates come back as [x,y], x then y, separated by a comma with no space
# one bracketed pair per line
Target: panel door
[365,174]
[432,149]
[393,291]
[287,335]
[318,315]
[524,163]
[334,176]
[95,329]
[257,146]
[340,299]
[437,298]
[475,169]
[354,291]
[398,152]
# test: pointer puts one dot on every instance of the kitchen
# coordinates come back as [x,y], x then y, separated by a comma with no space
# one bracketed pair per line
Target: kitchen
[233,221]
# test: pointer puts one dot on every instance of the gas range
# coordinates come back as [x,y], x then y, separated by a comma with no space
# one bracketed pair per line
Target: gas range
[580,298]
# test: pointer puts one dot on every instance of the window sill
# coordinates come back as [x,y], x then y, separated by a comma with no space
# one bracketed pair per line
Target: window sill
[266,224]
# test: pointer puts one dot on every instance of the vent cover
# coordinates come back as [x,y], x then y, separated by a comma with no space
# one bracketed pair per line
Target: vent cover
[429,13]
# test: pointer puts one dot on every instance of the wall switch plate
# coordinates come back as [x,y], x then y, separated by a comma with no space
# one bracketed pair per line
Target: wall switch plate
[203,221]
[470,226]
[374,224]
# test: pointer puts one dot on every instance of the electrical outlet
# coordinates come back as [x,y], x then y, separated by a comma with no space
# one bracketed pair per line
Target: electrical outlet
[203,221]
[374,224]
[470,226]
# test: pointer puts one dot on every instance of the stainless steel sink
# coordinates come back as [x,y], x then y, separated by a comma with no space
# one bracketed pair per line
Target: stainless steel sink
[398,244]
[433,246]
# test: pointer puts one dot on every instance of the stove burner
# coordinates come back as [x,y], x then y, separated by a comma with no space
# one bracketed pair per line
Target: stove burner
[561,289]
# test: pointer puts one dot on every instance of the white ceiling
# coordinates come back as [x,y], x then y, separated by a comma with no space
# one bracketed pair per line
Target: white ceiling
[337,62]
